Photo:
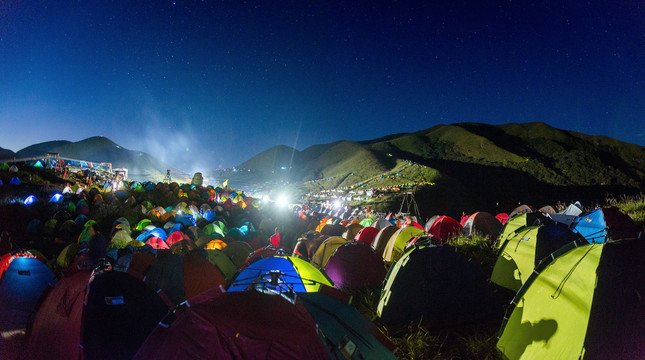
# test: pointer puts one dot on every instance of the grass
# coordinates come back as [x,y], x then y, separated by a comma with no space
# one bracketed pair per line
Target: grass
[634,206]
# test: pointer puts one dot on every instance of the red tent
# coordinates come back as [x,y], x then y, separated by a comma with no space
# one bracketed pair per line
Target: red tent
[237,325]
[445,228]
[56,333]
[502,217]
[367,235]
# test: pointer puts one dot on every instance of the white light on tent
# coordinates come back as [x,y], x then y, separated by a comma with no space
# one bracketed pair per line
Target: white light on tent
[336,204]
[56,198]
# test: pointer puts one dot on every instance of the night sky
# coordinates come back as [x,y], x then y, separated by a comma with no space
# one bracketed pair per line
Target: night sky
[203,84]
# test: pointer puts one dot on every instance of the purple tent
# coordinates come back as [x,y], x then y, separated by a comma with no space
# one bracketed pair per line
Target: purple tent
[356,265]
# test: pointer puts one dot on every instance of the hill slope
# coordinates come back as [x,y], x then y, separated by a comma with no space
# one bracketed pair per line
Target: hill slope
[141,166]
[478,163]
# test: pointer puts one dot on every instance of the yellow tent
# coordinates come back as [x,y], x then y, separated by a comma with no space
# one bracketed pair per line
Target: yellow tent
[398,240]
[326,250]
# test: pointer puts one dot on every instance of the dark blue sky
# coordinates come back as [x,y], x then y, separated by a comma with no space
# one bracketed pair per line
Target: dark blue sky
[201,84]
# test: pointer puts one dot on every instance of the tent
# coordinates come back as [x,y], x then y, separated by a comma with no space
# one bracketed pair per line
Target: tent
[326,250]
[483,223]
[605,224]
[223,263]
[367,235]
[355,265]
[586,303]
[56,332]
[436,285]
[280,274]
[382,238]
[381,223]
[351,231]
[523,250]
[522,209]
[23,278]
[236,325]
[518,221]
[119,313]
[183,276]
[339,322]
[502,217]
[14,181]
[397,242]
[445,228]
[333,230]
[238,252]
[569,215]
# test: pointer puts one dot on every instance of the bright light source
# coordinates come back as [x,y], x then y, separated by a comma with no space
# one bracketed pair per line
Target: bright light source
[282,200]
[336,204]
[266,199]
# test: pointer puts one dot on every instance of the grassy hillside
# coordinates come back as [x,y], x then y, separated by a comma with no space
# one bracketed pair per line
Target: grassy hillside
[474,164]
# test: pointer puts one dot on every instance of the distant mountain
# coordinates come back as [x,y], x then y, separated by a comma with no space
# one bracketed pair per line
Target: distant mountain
[141,166]
[478,163]
[6,154]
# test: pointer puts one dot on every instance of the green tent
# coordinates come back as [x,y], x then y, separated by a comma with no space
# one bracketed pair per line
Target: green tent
[142,224]
[523,250]
[586,303]
[223,263]
[519,221]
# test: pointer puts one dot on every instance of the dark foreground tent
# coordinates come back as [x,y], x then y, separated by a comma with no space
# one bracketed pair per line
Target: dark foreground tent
[344,329]
[586,303]
[436,285]
[183,276]
[483,223]
[120,311]
[236,325]
[524,249]
[107,318]
[356,265]
[605,224]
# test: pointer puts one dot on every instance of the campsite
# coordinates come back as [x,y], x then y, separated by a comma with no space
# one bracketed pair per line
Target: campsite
[248,277]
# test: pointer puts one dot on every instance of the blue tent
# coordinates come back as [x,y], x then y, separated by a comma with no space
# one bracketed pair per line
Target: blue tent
[280,274]
[209,215]
[601,225]
[23,281]
[56,198]
[158,232]
[15,181]
[30,200]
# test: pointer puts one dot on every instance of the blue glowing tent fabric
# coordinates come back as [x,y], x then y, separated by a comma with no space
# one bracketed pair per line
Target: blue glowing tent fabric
[14,181]
[23,278]
[156,232]
[280,274]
